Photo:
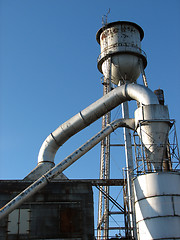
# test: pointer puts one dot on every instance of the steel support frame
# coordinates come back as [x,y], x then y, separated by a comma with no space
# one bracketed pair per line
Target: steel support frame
[103,207]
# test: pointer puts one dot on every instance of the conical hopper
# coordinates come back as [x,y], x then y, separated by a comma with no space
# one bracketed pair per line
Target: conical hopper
[153,128]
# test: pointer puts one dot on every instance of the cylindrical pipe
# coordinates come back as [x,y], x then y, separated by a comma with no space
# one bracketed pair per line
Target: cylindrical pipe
[42,181]
[90,114]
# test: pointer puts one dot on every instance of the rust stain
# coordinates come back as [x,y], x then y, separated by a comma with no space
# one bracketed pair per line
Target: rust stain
[70,220]
[104,35]
[109,32]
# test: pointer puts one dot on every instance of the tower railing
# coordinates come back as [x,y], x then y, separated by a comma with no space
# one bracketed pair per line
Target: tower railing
[170,160]
[122,47]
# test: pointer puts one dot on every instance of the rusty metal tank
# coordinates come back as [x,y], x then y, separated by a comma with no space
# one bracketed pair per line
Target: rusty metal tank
[121,42]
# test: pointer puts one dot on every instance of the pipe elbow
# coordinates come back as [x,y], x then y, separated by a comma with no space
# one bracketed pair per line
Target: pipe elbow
[141,94]
[90,114]
[48,150]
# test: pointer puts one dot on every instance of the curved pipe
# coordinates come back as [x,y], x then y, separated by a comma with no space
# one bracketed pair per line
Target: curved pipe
[90,114]
[59,168]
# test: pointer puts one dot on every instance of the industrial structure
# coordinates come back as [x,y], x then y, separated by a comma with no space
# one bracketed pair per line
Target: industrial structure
[48,205]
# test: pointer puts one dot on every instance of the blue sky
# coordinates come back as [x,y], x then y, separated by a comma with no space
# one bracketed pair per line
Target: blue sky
[48,73]
[48,70]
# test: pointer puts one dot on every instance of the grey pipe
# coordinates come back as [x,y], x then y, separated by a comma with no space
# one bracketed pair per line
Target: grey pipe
[59,168]
[90,114]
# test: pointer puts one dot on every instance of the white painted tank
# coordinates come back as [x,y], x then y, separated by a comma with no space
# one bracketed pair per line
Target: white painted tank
[122,42]
[152,123]
[157,205]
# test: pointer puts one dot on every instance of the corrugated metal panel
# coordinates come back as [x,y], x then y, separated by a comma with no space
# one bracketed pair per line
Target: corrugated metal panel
[69,221]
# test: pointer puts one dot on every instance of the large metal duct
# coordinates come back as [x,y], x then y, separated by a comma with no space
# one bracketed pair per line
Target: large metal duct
[90,114]
[84,118]
[55,171]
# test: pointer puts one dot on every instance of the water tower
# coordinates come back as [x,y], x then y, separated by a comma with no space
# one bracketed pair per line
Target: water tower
[121,61]
[121,42]
[153,195]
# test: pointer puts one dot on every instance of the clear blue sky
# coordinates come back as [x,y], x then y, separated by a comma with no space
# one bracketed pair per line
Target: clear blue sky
[48,72]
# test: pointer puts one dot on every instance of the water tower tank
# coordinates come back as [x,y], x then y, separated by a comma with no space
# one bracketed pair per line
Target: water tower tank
[121,41]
